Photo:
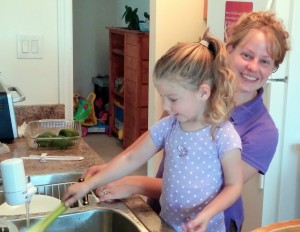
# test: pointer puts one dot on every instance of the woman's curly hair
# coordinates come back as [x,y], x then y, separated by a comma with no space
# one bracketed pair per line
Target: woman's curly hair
[266,22]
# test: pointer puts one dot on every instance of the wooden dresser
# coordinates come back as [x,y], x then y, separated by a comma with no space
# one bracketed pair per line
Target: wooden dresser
[128,83]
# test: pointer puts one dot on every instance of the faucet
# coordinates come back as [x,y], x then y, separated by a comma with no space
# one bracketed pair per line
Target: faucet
[17,187]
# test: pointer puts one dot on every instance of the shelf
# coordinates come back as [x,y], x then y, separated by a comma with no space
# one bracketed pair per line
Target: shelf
[128,83]
[115,92]
[118,51]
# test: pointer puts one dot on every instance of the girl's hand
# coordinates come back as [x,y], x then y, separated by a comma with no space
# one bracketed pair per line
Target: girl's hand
[75,192]
[199,224]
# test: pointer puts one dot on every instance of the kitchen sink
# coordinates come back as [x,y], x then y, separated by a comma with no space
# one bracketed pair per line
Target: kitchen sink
[53,185]
[101,219]
[96,216]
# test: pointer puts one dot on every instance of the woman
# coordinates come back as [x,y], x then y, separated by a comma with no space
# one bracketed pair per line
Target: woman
[256,46]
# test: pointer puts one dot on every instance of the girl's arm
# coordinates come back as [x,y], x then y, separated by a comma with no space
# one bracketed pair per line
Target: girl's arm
[233,182]
[127,161]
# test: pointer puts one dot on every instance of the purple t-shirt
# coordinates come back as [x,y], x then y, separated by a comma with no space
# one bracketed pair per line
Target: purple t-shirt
[259,137]
[193,174]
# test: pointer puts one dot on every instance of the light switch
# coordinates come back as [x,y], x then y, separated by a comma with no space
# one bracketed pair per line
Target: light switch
[29,47]
[25,46]
[34,46]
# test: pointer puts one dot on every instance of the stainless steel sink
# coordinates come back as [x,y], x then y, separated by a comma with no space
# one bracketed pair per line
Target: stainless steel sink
[96,216]
[104,220]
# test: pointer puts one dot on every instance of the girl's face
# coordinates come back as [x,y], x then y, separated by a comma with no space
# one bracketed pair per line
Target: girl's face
[251,63]
[185,104]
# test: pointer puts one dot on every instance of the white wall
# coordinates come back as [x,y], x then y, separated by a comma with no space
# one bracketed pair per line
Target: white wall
[37,78]
[90,41]
[171,21]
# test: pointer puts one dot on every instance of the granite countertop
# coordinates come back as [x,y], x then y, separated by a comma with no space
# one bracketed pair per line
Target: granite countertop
[136,204]
[20,148]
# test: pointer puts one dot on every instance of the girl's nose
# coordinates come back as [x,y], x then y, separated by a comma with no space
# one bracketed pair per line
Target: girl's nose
[166,105]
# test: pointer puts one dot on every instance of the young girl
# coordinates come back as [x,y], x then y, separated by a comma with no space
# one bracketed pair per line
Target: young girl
[202,174]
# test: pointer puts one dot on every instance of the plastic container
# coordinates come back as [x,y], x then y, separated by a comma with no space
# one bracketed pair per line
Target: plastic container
[45,134]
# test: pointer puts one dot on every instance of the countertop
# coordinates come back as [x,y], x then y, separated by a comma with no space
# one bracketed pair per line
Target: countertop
[136,204]
[20,148]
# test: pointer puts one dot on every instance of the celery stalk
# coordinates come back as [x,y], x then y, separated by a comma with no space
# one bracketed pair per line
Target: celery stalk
[42,225]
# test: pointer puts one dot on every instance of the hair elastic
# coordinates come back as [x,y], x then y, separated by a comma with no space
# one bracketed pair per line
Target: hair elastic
[204,43]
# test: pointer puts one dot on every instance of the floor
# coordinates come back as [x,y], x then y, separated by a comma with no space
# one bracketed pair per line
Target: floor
[107,147]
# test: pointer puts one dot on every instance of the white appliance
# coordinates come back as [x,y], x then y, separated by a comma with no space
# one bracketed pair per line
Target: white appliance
[275,196]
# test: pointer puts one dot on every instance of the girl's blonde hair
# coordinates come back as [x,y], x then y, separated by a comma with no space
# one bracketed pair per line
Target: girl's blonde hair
[266,22]
[192,64]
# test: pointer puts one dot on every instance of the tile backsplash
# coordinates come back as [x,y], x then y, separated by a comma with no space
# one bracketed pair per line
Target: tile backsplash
[27,113]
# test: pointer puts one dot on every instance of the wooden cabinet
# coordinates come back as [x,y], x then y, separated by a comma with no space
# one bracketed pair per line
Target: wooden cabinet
[128,83]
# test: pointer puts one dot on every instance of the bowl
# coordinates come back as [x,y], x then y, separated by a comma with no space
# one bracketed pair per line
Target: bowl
[144,26]
[53,134]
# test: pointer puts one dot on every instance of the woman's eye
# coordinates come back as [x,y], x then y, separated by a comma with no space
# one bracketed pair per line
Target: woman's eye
[246,56]
[265,62]
[173,100]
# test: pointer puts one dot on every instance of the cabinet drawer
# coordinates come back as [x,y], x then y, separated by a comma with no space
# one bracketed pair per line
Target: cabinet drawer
[132,39]
[145,48]
[132,50]
[144,95]
[145,72]
[144,118]
[137,118]
[136,96]
[131,93]
[131,62]
[131,75]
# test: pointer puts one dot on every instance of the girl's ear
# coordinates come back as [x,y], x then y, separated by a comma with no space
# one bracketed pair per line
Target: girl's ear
[204,90]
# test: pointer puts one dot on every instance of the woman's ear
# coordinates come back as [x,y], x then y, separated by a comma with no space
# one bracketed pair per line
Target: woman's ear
[204,90]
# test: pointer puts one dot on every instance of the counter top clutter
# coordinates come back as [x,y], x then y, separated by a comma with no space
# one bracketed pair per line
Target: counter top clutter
[19,148]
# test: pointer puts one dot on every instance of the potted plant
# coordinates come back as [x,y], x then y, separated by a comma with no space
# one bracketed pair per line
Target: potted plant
[144,25]
[131,18]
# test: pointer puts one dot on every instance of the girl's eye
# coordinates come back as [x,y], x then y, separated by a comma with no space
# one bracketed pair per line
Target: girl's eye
[173,100]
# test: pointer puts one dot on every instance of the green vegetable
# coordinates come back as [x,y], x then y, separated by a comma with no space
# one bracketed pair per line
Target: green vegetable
[68,132]
[42,140]
[61,142]
[42,225]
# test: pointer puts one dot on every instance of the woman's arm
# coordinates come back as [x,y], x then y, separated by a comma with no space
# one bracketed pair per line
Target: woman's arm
[130,185]
[150,186]
[248,171]
[233,182]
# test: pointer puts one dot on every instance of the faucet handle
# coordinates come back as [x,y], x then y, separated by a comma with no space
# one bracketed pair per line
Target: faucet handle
[85,199]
